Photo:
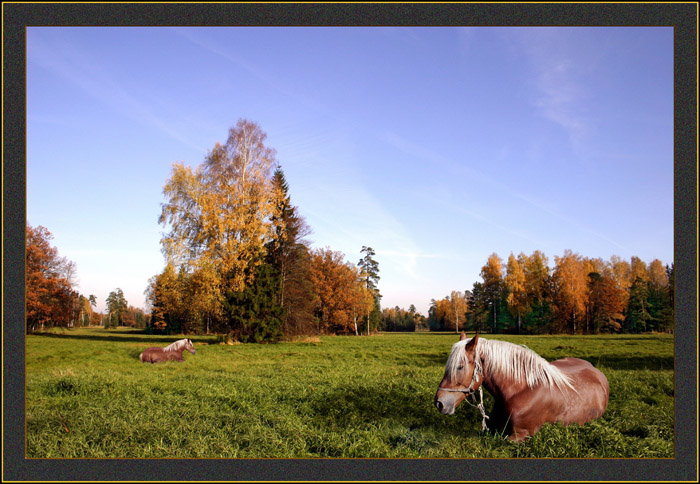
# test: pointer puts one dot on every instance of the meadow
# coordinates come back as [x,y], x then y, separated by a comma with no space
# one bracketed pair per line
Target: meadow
[89,396]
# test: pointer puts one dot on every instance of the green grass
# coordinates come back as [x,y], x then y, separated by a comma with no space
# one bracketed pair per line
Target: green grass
[88,395]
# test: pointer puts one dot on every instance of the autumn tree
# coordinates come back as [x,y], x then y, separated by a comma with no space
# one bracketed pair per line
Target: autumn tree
[581,295]
[656,274]
[205,300]
[515,283]
[335,283]
[361,300]
[440,314]
[605,304]
[166,295]
[49,296]
[221,211]
[220,219]
[638,269]
[458,308]
[620,272]
[571,289]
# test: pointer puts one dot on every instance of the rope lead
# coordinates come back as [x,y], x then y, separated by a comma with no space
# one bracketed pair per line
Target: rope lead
[480,406]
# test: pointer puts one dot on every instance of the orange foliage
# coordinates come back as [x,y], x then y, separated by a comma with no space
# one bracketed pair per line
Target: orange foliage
[50,299]
[338,292]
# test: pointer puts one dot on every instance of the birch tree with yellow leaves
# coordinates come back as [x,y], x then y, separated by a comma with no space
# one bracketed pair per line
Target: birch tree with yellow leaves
[518,303]
[221,211]
[219,216]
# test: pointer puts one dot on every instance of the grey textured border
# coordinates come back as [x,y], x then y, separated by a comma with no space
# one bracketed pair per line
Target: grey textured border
[683,17]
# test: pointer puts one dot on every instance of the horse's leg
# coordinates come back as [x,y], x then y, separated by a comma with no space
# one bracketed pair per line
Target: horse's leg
[499,421]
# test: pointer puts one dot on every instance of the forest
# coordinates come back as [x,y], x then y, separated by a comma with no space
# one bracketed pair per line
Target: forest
[238,264]
[578,296]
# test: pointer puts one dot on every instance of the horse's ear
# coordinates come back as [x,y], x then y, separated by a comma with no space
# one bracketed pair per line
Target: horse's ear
[469,347]
[463,336]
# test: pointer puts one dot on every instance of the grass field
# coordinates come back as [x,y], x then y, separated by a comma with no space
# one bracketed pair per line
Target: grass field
[88,395]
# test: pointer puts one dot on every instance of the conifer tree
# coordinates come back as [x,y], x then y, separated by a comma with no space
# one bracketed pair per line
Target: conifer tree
[370,274]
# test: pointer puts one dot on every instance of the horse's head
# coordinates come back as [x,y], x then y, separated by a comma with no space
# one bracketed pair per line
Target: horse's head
[462,377]
[189,346]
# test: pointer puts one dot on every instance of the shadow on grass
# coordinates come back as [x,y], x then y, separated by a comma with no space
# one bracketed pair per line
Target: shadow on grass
[612,362]
[385,407]
[131,337]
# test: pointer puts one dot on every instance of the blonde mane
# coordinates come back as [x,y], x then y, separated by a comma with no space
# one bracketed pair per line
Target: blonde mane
[509,360]
[176,346]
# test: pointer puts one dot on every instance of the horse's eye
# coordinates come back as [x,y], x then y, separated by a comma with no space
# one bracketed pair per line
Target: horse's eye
[460,367]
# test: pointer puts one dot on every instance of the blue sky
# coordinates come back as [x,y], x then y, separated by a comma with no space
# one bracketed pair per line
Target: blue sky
[434,146]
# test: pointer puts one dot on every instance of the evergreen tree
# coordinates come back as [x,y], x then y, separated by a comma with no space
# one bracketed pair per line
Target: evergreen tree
[638,317]
[493,289]
[477,308]
[253,314]
[288,254]
[370,274]
[116,306]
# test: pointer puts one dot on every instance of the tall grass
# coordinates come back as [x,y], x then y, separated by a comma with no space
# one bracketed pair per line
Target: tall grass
[88,395]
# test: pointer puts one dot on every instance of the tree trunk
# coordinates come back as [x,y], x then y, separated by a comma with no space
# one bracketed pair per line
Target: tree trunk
[494,318]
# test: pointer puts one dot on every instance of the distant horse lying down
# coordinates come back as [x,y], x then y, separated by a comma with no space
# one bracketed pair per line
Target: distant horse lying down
[173,351]
[528,390]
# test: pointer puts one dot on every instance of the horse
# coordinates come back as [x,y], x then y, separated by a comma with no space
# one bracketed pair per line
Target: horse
[173,351]
[528,390]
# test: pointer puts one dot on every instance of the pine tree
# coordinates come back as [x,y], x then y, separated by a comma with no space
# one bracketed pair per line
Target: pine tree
[288,254]
[370,273]
[493,286]
[254,313]
[638,317]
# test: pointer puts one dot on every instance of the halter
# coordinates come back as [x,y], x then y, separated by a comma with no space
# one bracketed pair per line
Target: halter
[470,392]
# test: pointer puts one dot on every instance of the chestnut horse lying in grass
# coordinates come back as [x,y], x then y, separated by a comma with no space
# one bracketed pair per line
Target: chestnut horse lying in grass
[173,351]
[528,390]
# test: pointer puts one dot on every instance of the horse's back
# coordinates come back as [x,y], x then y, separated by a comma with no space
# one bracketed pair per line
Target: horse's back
[581,371]
[590,383]
[151,355]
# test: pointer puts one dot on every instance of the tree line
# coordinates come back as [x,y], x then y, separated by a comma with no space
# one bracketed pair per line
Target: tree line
[578,295]
[238,263]
[50,298]
[237,259]
[399,319]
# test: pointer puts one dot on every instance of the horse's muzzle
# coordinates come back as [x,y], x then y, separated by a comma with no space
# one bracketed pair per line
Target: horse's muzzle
[445,404]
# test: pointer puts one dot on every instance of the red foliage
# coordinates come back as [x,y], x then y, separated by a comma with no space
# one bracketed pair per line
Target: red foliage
[50,298]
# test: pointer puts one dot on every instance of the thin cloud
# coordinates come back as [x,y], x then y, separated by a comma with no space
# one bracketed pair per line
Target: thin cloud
[560,93]
[91,77]
[240,61]
[498,186]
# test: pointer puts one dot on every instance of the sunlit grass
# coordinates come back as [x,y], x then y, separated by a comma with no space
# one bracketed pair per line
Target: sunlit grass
[88,395]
